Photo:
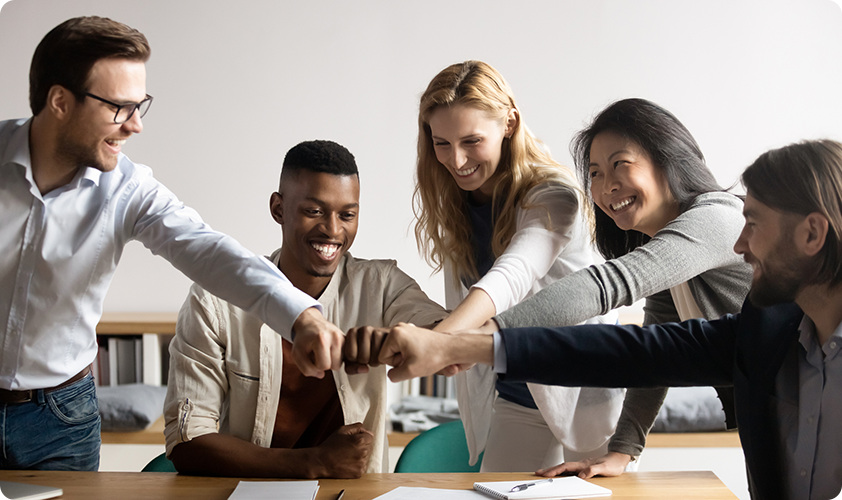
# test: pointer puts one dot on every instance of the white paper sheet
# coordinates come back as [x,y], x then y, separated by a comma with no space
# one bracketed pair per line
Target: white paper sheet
[273,490]
[408,493]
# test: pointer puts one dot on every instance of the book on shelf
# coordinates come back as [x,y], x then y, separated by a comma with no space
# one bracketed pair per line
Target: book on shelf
[112,360]
[125,361]
[130,359]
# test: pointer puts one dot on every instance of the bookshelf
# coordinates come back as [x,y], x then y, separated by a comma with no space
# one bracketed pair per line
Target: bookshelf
[133,348]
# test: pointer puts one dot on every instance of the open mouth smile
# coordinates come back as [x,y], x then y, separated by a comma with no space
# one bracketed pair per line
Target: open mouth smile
[466,171]
[616,207]
[326,250]
[115,144]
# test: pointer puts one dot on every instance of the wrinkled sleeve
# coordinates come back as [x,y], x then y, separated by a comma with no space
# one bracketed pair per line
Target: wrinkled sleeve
[197,384]
[700,239]
[405,301]
[217,262]
[544,229]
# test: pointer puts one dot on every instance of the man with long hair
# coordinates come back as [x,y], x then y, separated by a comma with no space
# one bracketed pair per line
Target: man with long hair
[781,352]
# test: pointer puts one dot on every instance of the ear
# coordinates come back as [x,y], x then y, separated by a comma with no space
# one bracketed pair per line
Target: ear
[276,207]
[60,101]
[811,233]
[512,120]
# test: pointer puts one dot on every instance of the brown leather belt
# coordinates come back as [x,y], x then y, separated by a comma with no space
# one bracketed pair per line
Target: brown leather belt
[24,396]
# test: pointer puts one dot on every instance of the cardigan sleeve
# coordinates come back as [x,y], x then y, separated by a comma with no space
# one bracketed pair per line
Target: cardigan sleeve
[544,229]
[698,240]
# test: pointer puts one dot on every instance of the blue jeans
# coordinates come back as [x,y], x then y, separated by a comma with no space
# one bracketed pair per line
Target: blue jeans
[55,431]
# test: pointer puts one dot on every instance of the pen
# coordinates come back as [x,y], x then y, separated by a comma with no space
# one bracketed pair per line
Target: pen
[340,495]
[521,487]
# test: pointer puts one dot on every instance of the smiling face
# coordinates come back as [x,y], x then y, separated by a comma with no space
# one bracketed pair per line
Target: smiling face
[766,243]
[468,142]
[318,213]
[88,137]
[628,187]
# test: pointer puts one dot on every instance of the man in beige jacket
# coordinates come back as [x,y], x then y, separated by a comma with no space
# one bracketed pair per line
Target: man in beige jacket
[236,403]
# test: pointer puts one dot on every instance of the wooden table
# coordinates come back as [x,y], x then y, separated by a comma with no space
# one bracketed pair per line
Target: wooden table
[160,485]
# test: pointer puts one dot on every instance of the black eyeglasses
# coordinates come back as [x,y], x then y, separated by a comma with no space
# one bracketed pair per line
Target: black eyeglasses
[125,111]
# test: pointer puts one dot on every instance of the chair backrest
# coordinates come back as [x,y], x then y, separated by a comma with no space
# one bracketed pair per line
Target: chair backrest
[440,449]
[160,464]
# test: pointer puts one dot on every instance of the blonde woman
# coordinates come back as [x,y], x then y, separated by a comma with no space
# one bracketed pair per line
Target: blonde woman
[504,220]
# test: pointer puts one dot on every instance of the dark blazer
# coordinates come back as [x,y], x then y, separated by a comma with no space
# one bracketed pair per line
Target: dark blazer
[746,350]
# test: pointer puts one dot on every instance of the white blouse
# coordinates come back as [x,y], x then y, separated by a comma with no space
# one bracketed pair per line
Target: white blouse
[551,240]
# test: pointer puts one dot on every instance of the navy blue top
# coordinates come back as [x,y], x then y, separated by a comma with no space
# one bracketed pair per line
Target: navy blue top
[483,230]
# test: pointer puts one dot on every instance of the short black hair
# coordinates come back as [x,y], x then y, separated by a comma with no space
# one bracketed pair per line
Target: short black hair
[319,156]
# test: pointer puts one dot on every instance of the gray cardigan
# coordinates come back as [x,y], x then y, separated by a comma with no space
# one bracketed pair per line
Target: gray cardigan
[696,247]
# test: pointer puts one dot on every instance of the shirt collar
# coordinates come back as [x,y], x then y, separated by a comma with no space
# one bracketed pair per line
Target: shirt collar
[17,153]
[17,150]
[808,339]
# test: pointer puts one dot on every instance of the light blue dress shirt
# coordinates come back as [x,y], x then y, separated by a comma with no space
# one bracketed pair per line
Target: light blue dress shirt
[812,429]
[58,253]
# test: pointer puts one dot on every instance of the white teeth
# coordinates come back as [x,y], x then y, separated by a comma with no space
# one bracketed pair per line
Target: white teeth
[622,204]
[466,171]
[326,250]
[116,142]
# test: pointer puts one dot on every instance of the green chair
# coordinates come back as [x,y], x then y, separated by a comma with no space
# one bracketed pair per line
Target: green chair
[160,464]
[440,449]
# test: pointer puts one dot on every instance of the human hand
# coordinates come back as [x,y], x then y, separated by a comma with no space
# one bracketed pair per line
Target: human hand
[362,348]
[610,464]
[345,453]
[416,352]
[317,345]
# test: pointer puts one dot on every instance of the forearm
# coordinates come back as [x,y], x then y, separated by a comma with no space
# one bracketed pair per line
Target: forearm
[215,261]
[568,301]
[224,455]
[472,312]
[699,240]
[640,409]
[470,348]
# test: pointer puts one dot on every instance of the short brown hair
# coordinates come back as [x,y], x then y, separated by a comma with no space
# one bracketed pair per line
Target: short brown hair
[804,178]
[67,53]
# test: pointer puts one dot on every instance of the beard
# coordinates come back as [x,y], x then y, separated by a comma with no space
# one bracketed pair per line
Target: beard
[768,291]
[783,274]
[75,152]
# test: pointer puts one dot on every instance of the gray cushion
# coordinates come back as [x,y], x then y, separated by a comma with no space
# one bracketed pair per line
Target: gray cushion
[130,407]
[690,409]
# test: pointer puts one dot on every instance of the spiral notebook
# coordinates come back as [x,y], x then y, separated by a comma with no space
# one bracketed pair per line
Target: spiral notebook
[560,487]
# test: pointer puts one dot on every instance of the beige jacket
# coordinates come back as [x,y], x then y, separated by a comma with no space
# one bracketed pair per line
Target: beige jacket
[225,364]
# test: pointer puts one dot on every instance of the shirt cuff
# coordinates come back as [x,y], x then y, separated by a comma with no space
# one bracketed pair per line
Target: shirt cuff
[499,354]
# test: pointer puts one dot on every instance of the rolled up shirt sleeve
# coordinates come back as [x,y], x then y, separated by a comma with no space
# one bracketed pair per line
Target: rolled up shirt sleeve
[197,383]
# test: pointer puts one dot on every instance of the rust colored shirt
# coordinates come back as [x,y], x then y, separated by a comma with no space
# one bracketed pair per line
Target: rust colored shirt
[309,409]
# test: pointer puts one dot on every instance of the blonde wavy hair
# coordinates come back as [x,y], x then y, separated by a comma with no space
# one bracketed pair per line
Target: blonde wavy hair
[442,227]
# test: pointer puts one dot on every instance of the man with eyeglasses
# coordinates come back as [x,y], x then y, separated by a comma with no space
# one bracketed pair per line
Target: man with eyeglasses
[70,201]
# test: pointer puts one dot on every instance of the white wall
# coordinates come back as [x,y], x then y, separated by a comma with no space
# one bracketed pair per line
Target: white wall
[236,84]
